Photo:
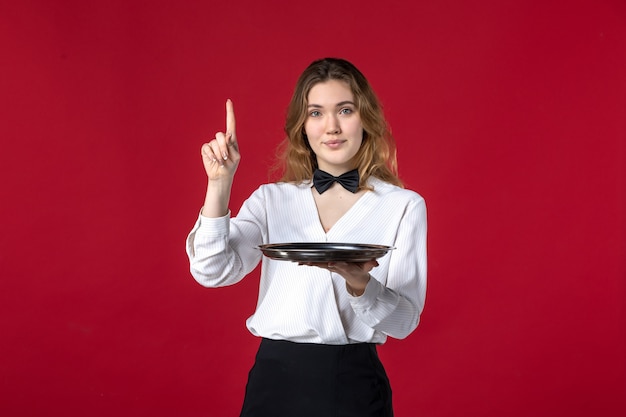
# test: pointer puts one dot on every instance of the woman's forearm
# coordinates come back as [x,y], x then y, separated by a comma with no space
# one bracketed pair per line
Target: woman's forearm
[217,198]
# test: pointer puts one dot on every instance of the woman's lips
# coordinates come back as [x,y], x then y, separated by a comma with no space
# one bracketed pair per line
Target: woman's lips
[334,143]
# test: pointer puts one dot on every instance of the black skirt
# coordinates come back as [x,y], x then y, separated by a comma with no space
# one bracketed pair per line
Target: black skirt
[305,379]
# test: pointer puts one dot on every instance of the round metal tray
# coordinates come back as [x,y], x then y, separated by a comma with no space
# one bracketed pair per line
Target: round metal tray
[324,252]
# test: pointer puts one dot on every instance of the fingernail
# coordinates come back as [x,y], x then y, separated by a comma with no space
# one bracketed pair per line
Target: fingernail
[225,155]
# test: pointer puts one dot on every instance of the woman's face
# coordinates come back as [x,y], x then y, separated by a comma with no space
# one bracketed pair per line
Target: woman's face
[333,126]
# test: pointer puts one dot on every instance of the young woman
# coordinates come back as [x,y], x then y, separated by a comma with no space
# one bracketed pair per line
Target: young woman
[319,323]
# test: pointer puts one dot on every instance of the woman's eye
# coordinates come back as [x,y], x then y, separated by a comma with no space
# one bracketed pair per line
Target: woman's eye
[315,113]
[345,111]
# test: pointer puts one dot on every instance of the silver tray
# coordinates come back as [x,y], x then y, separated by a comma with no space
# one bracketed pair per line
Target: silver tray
[324,252]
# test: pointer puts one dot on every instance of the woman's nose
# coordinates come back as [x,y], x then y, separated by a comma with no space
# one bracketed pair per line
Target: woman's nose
[332,127]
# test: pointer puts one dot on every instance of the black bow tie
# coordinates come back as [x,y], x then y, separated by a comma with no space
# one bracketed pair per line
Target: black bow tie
[322,180]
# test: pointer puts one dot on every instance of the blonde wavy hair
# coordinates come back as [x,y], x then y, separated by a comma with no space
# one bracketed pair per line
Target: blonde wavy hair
[377,155]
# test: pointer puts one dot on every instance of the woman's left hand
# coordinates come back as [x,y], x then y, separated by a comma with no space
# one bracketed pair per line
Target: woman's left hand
[356,274]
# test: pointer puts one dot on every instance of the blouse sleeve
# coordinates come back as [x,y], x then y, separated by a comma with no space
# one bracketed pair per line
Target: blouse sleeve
[222,251]
[394,308]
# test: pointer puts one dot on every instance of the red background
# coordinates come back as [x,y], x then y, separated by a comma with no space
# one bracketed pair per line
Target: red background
[511,121]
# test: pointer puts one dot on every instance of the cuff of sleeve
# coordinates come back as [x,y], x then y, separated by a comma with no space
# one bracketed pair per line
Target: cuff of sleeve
[214,226]
[369,296]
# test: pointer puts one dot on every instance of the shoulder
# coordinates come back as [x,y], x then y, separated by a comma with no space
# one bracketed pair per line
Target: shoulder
[398,202]
[284,186]
[272,195]
[393,192]
[278,189]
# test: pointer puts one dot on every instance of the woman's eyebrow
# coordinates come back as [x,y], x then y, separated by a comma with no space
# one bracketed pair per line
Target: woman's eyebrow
[342,103]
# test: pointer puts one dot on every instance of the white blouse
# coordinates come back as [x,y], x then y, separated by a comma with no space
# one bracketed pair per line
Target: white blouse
[309,304]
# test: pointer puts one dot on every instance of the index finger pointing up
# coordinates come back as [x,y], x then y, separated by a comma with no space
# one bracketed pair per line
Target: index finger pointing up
[230,119]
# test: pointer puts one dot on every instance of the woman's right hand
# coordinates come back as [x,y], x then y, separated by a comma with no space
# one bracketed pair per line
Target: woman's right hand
[221,155]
